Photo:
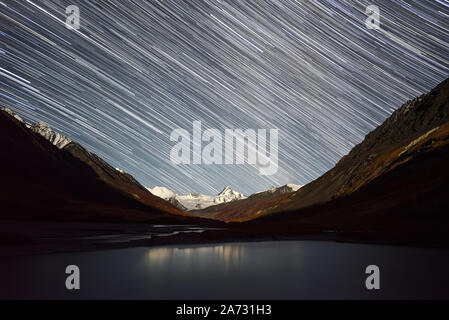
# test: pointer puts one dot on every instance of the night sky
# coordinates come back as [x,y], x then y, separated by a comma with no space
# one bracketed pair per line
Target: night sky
[136,70]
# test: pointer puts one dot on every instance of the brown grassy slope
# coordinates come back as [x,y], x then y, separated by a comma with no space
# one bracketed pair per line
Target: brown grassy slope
[380,150]
[418,126]
[408,204]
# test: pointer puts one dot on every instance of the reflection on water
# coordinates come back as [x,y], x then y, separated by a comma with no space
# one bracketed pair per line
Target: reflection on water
[227,256]
[259,270]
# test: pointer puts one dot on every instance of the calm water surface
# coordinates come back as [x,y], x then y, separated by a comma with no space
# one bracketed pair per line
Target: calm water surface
[258,270]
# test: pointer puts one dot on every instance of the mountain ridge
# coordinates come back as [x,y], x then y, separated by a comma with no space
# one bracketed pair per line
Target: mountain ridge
[371,158]
[44,181]
[418,126]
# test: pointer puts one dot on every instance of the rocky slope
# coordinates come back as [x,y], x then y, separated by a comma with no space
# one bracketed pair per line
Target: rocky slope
[273,191]
[55,138]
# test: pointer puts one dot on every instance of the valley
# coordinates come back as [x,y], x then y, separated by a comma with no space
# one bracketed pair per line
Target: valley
[390,189]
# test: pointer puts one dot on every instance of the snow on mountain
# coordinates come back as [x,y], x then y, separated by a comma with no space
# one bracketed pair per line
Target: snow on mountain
[10,112]
[294,187]
[56,139]
[195,201]
[227,194]
[162,192]
[43,129]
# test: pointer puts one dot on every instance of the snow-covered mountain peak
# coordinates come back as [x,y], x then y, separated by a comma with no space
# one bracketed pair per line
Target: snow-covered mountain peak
[55,138]
[227,195]
[162,192]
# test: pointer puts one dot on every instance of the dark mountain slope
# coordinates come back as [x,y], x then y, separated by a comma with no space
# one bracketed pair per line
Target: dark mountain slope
[407,205]
[40,181]
[381,149]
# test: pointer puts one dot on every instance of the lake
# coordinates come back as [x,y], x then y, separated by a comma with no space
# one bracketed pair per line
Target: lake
[254,270]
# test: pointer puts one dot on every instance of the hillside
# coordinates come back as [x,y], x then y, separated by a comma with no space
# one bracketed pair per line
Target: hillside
[418,127]
[43,182]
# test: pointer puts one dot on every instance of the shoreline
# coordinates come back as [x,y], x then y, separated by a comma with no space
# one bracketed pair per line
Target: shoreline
[61,245]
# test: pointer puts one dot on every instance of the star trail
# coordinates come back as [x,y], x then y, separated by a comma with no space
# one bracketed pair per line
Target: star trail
[136,70]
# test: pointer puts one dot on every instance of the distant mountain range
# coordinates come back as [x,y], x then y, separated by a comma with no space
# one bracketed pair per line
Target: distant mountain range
[194,201]
[197,201]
